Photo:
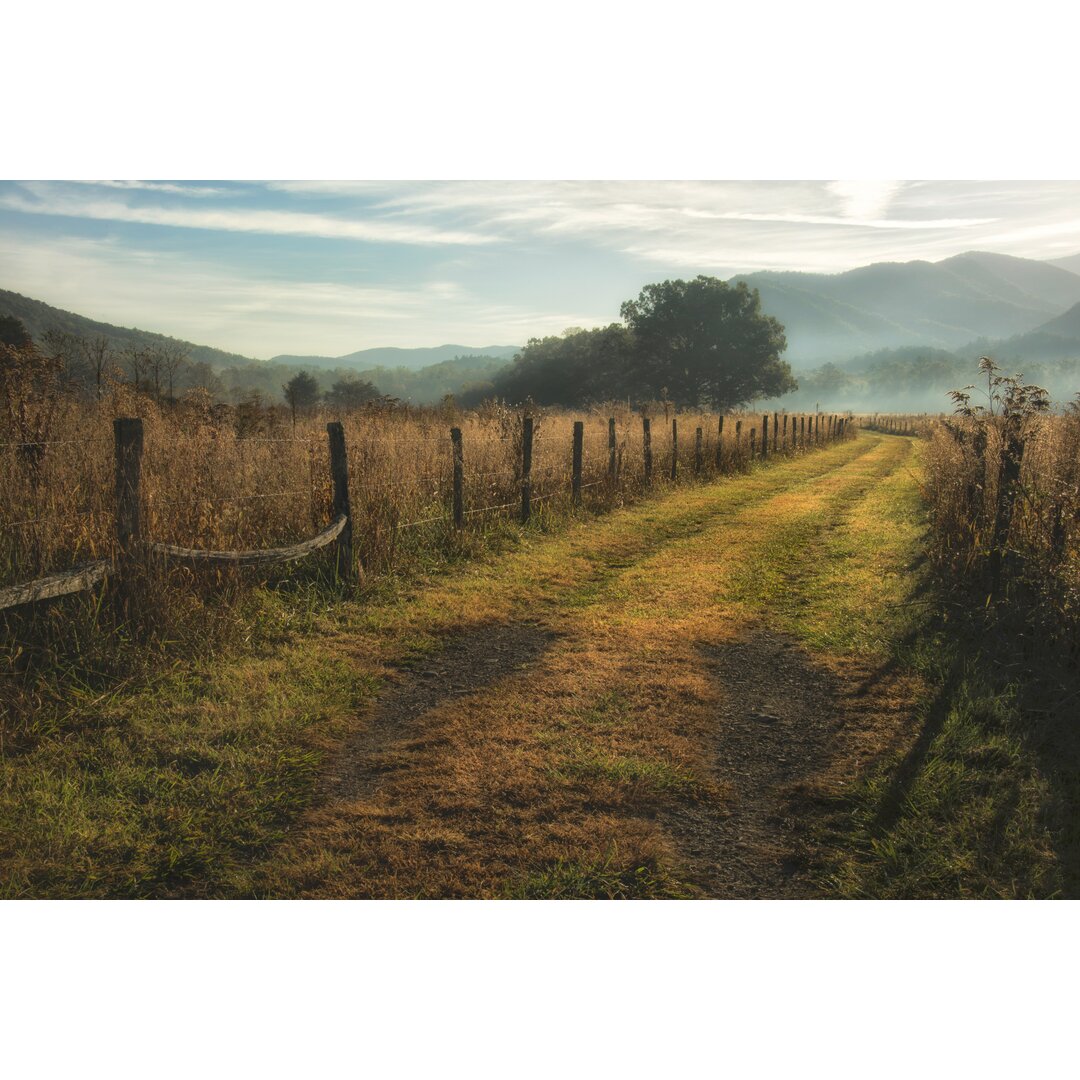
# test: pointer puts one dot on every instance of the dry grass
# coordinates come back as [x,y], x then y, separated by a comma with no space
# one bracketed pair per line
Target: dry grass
[248,477]
[1040,549]
[542,781]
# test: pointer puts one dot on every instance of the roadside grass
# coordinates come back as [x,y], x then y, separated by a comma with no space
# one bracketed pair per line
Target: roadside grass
[981,796]
[963,819]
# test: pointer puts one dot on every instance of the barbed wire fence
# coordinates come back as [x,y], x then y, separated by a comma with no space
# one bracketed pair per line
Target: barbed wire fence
[134,550]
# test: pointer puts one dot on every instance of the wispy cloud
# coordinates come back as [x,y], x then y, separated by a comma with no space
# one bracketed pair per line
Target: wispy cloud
[476,261]
[196,190]
[261,316]
[270,222]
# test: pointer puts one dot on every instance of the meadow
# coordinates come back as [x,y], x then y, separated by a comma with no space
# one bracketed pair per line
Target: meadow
[246,477]
[501,707]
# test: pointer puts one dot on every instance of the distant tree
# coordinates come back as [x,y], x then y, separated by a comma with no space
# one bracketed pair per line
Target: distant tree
[138,366]
[301,392]
[97,353]
[705,341]
[173,358]
[200,375]
[14,333]
[350,392]
[575,368]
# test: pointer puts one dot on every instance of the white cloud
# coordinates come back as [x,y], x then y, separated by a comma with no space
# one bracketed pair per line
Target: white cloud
[274,222]
[865,199]
[199,190]
[261,316]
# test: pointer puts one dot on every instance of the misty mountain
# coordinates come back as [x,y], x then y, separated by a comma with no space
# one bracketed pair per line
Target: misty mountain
[389,357]
[39,318]
[890,305]
[1064,326]
[1070,262]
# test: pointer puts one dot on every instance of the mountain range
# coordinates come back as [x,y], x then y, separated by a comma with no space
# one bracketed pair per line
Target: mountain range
[889,305]
[390,357]
[978,302]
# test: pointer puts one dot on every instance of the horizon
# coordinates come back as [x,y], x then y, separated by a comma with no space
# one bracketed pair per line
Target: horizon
[328,268]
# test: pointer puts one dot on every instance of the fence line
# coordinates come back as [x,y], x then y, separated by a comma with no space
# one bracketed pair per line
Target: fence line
[132,548]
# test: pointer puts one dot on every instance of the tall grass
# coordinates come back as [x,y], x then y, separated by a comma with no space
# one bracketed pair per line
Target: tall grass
[1003,493]
[244,477]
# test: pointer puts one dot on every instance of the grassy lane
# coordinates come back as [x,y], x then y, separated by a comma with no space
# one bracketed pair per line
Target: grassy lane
[576,718]
[549,781]
[189,786]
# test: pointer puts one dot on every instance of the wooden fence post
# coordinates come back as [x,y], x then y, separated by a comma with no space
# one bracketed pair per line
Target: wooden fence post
[720,442]
[646,434]
[612,463]
[575,479]
[753,432]
[802,431]
[738,443]
[459,478]
[698,451]
[674,449]
[526,468]
[339,474]
[128,448]
[765,436]
[128,445]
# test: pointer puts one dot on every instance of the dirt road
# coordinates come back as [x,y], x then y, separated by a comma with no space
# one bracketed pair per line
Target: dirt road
[662,702]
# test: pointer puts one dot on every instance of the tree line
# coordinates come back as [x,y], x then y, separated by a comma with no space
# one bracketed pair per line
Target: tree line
[695,343]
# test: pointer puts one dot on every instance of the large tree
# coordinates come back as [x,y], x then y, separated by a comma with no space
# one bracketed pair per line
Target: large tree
[706,342]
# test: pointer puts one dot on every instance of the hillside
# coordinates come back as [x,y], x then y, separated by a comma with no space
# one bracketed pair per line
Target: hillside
[1064,326]
[390,357]
[1070,262]
[40,318]
[890,305]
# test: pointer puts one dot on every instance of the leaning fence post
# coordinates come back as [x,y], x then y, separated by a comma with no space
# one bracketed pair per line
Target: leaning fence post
[526,468]
[646,434]
[753,432]
[612,466]
[128,443]
[128,448]
[339,474]
[674,449]
[459,478]
[575,476]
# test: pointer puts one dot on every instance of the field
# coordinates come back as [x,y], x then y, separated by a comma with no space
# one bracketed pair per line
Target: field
[759,677]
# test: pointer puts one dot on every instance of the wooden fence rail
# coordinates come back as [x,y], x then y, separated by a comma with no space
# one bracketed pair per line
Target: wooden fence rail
[132,549]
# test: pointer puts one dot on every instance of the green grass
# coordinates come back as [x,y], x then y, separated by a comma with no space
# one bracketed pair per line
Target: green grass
[967,811]
[181,779]
[599,879]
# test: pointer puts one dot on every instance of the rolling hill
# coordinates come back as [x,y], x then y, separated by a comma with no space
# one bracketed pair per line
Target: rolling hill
[1070,262]
[411,359]
[39,318]
[888,305]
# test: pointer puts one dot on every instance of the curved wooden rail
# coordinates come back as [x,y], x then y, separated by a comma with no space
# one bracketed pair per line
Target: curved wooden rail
[173,553]
[70,581]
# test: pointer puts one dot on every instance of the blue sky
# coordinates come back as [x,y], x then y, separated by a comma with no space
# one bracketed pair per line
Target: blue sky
[313,267]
